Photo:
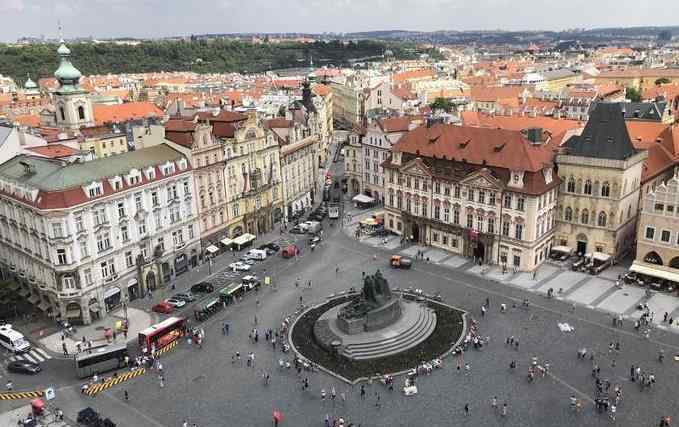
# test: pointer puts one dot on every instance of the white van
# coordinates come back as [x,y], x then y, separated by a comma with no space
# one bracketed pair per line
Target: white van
[256,254]
[13,340]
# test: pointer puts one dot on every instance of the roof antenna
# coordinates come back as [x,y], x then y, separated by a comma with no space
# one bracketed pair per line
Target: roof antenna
[61,31]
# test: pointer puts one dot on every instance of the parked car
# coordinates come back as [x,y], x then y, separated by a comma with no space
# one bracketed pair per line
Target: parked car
[176,302]
[398,261]
[184,296]
[272,247]
[251,282]
[23,367]
[239,266]
[202,288]
[163,307]
[298,229]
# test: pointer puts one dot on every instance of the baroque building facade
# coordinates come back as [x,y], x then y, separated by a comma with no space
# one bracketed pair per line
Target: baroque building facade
[484,193]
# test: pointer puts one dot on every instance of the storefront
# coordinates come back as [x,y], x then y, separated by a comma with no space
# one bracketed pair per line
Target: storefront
[181,264]
[133,289]
[112,297]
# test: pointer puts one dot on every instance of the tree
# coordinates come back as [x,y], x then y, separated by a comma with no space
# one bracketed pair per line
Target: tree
[442,104]
[662,81]
[633,94]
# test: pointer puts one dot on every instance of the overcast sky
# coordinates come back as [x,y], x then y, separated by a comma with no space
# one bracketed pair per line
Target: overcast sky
[158,18]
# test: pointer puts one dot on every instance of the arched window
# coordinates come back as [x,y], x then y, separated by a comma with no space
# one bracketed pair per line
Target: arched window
[62,114]
[571,185]
[81,113]
[605,190]
[585,217]
[588,187]
[601,221]
[569,214]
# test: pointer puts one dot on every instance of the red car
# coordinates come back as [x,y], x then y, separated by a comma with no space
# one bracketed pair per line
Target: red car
[163,307]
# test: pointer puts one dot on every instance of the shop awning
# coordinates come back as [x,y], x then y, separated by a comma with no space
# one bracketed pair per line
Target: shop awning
[659,271]
[226,242]
[245,238]
[362,198]
[111,291]
[74,312]
[212,249]
[33,299]
[43,305]
[562,249]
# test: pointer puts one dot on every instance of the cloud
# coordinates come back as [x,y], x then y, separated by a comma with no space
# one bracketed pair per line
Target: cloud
[12,6]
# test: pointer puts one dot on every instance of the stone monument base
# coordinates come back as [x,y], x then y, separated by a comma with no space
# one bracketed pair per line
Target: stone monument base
[373,320]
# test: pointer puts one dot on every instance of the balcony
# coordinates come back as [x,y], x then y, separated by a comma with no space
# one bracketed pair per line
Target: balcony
[180,245]
[111,278]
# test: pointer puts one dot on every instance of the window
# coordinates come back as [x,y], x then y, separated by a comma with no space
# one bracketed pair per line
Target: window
[129,259]
[108,269]
[81,113]
[479,223]
[157,220]
[482,196]
[568,216]
[61,257]
[174,214]
[437,212]
[601,220]
[520,204]
[508,201]
[79,226]
[435,237]
[650,233]
[121,209]
[103,242]
[470,194]
[491,226]
[453,243]
[456,217]
[505,229]
[519,231]
[57,229]
[665,236]
[584,218]
[605,189]
[190,229]
[68,283]
[444,239]
[446,191]
[236,209]
[171,192]
[517,261]
[571,185]
[154,199]
[187,188]
[138,202]
[99,216]
[669,209]
[177,237]
[491,199]
[470,221]
[161,244]
[446,215]
[588,187]
[659,207]
[62,114]
[124,234]
[142,228]
[84,250]
[437,187]
[87,276]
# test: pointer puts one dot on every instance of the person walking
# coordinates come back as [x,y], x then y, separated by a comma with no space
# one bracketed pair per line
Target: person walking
[362,391]
[378,403]
[504,409]
[127,395]
[493,403]
[466,409]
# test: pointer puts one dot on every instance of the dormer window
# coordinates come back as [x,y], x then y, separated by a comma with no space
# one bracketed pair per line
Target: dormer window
[116,183]
[150,173]
[182,164]
[167,169]
[94,190]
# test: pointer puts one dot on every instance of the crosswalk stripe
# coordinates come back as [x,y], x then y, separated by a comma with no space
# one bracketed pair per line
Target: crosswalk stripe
[28,357]
[42,353]
[37,356]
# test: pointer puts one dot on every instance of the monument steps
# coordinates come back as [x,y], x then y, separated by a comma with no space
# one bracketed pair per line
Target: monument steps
[417,333]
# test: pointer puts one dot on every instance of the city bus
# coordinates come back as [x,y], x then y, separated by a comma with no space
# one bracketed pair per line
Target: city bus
[161,334]
[100,359]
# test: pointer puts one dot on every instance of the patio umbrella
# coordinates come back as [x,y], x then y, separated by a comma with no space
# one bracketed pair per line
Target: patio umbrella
[277,416]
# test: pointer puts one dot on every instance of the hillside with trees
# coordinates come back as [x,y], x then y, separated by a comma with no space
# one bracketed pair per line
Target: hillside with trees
[201,56]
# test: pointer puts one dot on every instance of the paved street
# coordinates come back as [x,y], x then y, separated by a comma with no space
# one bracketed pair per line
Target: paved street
[205,387]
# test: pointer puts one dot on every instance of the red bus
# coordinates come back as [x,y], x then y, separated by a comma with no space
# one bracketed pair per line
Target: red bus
[161,334]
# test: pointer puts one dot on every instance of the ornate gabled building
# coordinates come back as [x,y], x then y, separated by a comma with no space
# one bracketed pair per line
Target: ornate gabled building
[194,138]
[484,193]
[601,174]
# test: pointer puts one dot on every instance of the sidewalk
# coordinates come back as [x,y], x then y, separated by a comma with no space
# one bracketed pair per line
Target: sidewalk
[138,320]
[12,418]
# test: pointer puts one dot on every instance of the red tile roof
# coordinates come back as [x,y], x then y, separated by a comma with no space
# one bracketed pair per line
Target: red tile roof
[518,122]
[223,116]
[30,120]
[123,112]
[481,146]
[411,75]
[321,90]
[53,151]
[278,122]
[395,124]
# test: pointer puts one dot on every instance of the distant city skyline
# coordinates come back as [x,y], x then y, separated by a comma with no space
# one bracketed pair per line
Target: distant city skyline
[163,18]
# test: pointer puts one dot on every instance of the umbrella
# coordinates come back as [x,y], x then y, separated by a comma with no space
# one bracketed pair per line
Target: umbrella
[277,416]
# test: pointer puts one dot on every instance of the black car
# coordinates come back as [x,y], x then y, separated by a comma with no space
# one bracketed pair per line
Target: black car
[270,247]
[202,287]
[23,367]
